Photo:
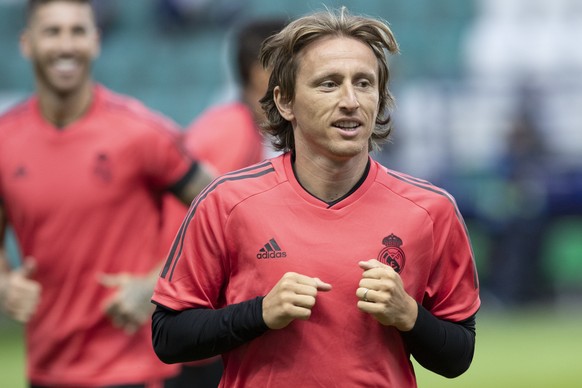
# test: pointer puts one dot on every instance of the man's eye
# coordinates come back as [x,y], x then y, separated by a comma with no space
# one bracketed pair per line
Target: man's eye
[50,31]
[364,83]
[79,31]
[328,84]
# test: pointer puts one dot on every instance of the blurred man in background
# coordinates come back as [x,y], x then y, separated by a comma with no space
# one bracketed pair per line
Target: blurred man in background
[82,170]
[227,137]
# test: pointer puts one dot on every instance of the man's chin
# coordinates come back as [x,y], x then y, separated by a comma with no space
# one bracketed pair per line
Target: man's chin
[64,89]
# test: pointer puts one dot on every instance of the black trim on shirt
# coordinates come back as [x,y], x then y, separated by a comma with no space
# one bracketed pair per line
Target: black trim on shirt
[441,346]
[179,186]
[352,190]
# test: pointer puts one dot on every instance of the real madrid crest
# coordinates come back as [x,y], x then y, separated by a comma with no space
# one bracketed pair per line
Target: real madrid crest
[392,254]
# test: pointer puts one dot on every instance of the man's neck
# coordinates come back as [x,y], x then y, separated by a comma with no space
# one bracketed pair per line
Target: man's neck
[329,180]
[64,109]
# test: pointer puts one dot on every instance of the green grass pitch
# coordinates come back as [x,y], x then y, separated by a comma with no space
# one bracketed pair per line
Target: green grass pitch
[532,349]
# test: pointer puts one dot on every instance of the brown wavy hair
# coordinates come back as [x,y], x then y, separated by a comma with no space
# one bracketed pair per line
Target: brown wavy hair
[280,53]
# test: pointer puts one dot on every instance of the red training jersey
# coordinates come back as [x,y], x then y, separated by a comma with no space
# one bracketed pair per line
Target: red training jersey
[251,226]
[226,137]
[85,201]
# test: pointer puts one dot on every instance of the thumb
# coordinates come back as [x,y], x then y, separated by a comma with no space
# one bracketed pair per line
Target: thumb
[321,285]
[28,267]
[369,264]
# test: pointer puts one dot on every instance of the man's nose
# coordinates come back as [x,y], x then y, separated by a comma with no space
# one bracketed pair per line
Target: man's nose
[349,98]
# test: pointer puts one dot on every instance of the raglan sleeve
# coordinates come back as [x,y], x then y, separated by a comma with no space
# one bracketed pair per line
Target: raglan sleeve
[453,290]
[195,270]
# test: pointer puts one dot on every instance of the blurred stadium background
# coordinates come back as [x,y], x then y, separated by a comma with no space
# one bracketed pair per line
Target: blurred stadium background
[489,106]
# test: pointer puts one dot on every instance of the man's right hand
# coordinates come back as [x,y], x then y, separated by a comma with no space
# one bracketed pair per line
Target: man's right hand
[19,294]
[292,298]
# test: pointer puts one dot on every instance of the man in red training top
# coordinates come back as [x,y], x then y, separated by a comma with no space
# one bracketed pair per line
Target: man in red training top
[81,174]
[321,267]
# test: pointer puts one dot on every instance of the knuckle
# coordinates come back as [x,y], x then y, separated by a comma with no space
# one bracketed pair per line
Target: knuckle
[286,283]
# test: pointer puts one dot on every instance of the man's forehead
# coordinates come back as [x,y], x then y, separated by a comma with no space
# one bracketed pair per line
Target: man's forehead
[337,52]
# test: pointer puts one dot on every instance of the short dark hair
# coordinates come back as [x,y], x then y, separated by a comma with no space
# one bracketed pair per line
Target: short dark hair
[249,37]
[281,53]
[32,5]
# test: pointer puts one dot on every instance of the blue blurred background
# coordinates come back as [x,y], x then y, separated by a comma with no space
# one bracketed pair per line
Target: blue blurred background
[489,106]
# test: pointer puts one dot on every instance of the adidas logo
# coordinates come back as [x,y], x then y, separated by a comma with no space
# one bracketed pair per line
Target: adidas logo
[271,250]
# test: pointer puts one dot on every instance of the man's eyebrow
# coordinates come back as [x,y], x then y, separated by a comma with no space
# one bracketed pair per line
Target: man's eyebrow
[335,75]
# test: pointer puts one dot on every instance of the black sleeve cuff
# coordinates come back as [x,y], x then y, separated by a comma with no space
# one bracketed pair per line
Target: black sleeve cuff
[441,346]
[179,186]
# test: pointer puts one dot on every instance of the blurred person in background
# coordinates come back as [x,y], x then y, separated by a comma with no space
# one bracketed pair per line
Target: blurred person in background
[82,171]
[321,266]
[518,215]
[228,137]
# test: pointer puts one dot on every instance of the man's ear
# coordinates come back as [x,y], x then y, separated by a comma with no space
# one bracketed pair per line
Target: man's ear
[285,107]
